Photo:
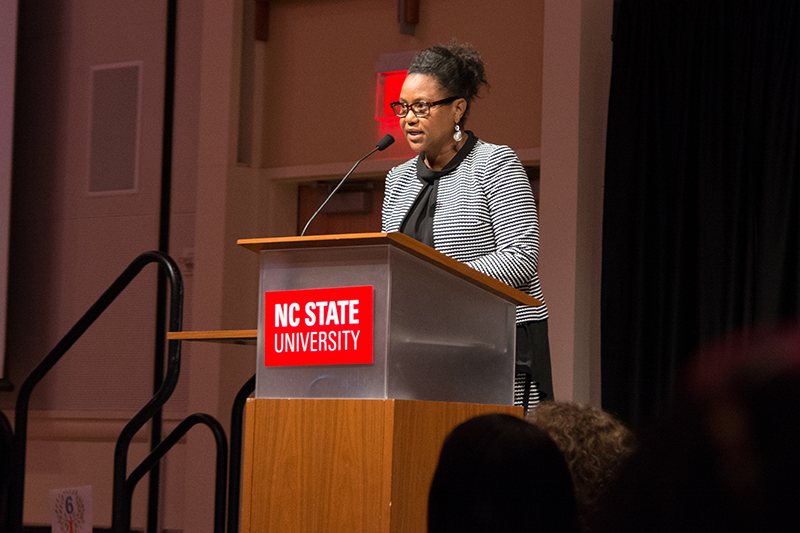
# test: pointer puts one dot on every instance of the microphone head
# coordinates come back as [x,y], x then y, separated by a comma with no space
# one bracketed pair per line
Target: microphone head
[385,143]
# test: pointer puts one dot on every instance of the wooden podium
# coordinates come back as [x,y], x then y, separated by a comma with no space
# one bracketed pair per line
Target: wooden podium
[358,453]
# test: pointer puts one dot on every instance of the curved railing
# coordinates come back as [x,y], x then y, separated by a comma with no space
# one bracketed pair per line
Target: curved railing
[237,430]
[17,485]
[123,488]
[124,484]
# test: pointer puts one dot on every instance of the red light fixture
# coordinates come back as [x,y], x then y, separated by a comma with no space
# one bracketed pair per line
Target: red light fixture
[388,91]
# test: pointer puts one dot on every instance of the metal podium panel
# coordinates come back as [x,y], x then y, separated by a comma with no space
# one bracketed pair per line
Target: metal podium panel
[436,337]
[449,340]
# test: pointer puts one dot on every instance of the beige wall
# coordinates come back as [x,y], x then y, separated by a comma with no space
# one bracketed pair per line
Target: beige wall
[577,70]
[68,246]
[318,51]
[320,73]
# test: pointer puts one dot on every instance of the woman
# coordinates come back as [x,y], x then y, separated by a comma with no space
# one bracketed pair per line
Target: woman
[469,199]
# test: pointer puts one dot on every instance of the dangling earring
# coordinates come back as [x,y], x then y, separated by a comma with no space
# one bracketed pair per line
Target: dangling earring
[457,135]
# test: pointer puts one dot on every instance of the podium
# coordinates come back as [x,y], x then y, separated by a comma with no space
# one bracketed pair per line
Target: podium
[353,447]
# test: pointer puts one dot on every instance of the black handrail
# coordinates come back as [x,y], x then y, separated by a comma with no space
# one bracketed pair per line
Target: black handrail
[122,512]
[152,407]
[16,497]
[164,220]
[235,476]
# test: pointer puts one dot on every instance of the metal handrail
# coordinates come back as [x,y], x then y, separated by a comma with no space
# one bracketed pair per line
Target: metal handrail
[122,509]
[235,476]
[16,497]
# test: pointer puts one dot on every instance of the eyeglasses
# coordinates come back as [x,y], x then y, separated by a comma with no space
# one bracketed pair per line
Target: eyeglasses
[420,109]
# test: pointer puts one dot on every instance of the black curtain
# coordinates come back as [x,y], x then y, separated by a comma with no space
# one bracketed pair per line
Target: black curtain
[701,231]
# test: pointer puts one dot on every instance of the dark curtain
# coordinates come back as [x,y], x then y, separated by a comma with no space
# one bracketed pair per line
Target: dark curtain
[701,231]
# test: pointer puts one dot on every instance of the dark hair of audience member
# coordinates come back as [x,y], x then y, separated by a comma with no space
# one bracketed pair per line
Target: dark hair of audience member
[728,456]
[499,474]
[594,443]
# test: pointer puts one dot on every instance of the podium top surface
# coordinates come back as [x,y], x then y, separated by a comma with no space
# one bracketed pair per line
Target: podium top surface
[400,241]
[233,336]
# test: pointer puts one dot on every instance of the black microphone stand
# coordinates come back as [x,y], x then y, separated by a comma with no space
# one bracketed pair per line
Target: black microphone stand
[382,145]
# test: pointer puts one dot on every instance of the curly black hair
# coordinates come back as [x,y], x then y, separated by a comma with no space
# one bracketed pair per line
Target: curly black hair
[457,67]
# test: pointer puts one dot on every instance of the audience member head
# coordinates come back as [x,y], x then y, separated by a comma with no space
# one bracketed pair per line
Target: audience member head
[499,474]
[594,444]
[727,458]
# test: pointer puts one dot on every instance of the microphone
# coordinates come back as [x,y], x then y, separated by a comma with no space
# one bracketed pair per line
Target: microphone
[383,144]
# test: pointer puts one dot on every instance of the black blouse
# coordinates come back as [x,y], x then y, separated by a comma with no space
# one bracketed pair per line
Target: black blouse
[418,222]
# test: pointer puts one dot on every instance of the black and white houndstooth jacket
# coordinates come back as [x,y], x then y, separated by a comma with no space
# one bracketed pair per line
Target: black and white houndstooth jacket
[485,217]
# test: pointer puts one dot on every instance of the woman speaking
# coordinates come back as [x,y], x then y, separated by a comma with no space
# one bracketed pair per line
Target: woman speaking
[469,199]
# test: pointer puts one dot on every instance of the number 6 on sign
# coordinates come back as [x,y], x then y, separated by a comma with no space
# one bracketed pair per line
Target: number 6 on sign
[71,510]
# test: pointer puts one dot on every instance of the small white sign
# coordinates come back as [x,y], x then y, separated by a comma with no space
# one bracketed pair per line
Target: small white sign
[71,510]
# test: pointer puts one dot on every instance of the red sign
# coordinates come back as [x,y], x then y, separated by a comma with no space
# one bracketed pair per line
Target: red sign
[318,327]
[388,91]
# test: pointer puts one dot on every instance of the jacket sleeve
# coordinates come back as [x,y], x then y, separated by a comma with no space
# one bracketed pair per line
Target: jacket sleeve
[512,211]
[387,208]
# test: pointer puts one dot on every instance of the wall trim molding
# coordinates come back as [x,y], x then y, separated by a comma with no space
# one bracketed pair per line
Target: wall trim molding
[87,426]
[369,168]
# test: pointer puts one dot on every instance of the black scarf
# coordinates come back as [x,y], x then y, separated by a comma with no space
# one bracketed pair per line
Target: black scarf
[418,222]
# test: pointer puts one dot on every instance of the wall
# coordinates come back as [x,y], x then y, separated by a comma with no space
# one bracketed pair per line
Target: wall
[68,246]
[577,70]
[320,73]
[8,59]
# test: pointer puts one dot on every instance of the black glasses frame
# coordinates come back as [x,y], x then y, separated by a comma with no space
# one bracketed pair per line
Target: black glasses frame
[401,109]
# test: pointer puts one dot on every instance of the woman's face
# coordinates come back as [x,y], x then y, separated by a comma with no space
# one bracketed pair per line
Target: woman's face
[432,134]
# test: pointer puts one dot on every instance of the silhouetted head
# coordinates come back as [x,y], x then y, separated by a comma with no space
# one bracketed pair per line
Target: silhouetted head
[595,445]
[499,473]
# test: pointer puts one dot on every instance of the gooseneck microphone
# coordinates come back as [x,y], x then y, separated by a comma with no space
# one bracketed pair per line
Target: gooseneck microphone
[383,144]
